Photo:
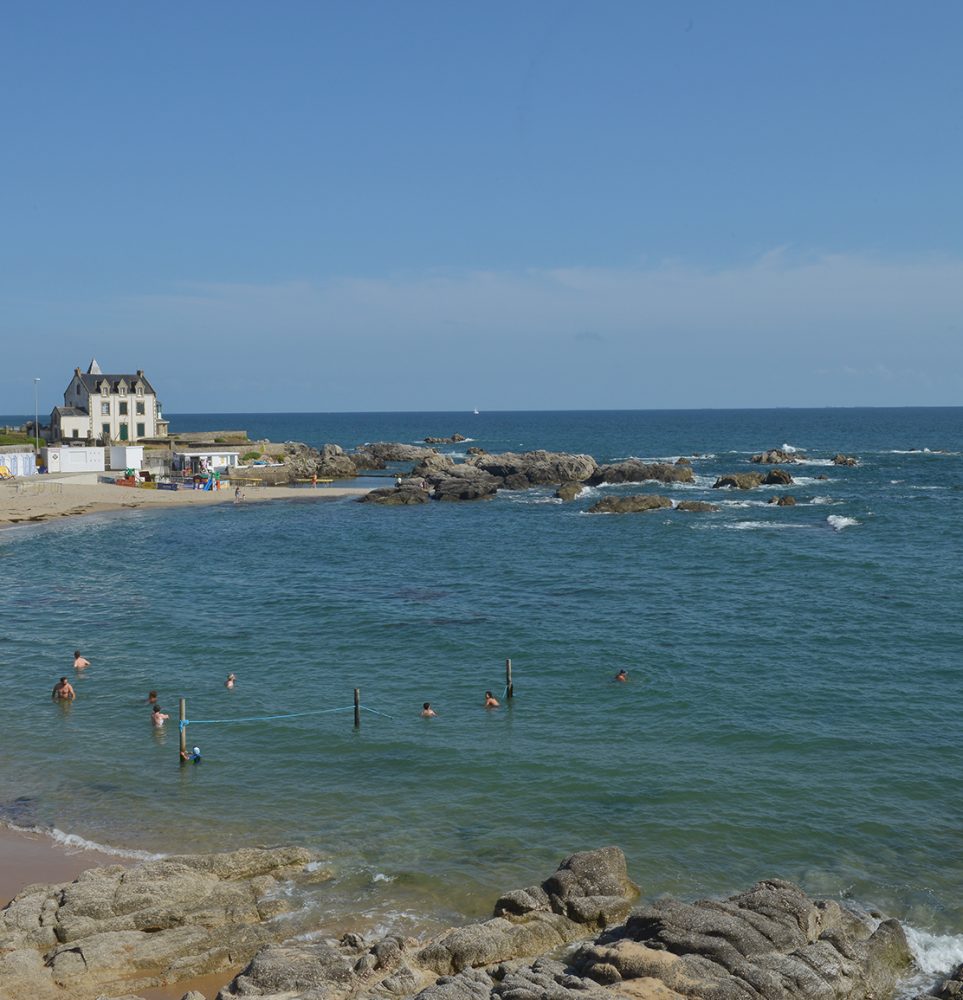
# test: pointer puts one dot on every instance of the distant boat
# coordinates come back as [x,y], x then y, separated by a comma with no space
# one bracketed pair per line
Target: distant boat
[476,413]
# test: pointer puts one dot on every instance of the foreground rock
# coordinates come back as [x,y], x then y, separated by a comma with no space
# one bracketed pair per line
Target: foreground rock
[770,943]
[396,497]
[629,505]
[632,471]
[123,929]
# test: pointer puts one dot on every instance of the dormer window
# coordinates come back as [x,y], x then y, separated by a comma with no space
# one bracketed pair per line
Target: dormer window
[122,388]
[105,388]
[140,389]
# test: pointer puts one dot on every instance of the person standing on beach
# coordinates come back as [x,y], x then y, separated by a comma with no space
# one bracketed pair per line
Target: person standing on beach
[238,495]
[427,712]
[490,700]
[157,717]
[80,661]
[63,691]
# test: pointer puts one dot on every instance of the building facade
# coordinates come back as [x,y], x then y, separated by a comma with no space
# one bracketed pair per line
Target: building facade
[105,408]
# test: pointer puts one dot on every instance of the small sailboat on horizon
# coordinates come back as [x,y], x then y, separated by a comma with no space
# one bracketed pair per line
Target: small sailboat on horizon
[475,412]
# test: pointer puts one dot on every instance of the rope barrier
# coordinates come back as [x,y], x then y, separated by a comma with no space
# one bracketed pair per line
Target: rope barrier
[374,711]
[184,723]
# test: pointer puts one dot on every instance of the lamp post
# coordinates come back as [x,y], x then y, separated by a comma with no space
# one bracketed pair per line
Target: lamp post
[36,415]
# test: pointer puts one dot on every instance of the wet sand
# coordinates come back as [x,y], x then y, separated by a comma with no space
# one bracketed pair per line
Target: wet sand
[34,500]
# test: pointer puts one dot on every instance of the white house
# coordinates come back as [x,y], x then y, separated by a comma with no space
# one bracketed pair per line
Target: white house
[105,408]
[197,460]
[73,459]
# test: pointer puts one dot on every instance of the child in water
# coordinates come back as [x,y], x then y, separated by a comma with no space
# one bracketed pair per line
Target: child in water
[194,756]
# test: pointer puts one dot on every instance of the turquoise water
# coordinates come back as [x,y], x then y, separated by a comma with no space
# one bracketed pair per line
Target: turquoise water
[794,672]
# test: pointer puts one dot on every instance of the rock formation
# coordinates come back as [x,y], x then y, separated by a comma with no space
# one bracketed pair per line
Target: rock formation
[784,501]
[397,496]
[696,506]
[776,456]
[841,459]
[777,477]
[454,439]
[568,491]
[536,468]
[374,456]
[739,481]
[630,505]
[632,471]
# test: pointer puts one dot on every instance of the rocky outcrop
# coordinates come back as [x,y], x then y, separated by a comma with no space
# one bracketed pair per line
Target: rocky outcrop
[777,477]
[376,455]
[536,468]
[475,450]
[454,439]
[946,989]
[450,488]
[842,459]
[161,921]
[696,506]
[629,505]
[775,456]
[783,501]
[632,471]
[396,496]
[333,463]
[739,481]
[568,491]
[770,943]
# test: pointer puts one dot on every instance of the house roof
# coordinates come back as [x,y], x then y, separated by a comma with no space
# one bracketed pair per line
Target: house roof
[91,382]
[70,411]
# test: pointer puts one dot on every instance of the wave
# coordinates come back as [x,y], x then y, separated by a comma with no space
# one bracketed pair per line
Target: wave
[789,449]
[75,843]
[837,522]
[759,526]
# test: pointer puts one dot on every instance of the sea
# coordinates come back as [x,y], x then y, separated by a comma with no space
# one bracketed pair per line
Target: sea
[792,707]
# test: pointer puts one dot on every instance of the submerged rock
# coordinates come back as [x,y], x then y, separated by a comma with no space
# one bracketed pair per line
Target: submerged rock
[841,459]
[629,505]
[783,501]
[568,491]
[696,506]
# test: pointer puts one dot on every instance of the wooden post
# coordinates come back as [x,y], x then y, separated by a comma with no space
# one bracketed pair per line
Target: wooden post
[183,730]
[509,689]
[357,708]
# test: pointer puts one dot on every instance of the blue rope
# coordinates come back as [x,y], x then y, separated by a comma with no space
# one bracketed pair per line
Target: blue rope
[183,723]
[374,711]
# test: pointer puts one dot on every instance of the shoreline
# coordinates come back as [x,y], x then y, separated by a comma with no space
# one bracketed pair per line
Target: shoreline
[46,501]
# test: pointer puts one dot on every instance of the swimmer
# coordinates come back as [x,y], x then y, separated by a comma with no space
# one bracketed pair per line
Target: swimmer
[490,700]
[80,661]
[229,683]
[157,717]
[427,712]
[151,697]
[622,675]
[63,691]
[194,756]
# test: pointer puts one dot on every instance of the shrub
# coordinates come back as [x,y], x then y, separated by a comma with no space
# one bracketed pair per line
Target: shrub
[251,456]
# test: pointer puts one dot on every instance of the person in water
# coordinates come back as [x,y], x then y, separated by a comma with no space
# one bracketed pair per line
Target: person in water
[151,697]
[63,691]
[157,717]
[490,700]
[80,661]
[622,675]
[427,712]
[229,683]
[194,756]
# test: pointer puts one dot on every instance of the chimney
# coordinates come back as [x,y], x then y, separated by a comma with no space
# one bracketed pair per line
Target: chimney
[140,372]
[76,371]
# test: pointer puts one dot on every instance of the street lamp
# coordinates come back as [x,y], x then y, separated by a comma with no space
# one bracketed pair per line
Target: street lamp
[36,415]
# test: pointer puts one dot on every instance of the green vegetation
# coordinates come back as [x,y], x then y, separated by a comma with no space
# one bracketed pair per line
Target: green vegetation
[251,456]
[16,437]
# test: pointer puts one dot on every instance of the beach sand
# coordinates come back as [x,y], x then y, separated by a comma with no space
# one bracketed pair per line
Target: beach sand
[34,500]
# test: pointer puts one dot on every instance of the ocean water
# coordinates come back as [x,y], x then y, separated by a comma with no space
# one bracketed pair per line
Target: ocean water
[794,686]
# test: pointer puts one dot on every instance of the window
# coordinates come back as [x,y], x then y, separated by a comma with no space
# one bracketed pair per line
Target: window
[105,409]
[123,432]
[106,429]
[104,388]
[140,430]
[122,389]
[140,409]
[123,409]
[140,389]
[76,433]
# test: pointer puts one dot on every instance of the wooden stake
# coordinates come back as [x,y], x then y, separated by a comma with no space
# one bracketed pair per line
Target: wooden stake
[357,708]
[509,689]
[182,727]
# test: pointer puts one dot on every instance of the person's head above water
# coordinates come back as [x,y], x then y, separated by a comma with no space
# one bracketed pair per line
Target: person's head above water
[76,652]
[427,704]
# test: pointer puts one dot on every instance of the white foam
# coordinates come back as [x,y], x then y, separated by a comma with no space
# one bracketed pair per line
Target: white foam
[789,449]
[759,526]
[75,843]
[837,522]
[935,954]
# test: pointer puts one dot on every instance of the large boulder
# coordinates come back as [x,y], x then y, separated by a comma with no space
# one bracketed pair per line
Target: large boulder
[777,477]
[775,456]
[841,459]
[739,481]
[399,496]
[568,491]
[771,943]
[696,506]
[784,501]
[629,505]
[333,463]
[633,471]
[536,468]
[376,455]
[158,922]
[452,488]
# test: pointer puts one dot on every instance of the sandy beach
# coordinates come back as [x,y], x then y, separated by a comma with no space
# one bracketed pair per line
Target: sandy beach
[37,499]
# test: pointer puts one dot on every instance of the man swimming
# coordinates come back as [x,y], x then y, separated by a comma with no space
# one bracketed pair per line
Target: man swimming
[63,691]
[490,700]
[427,712]
[622,675]
[157,717]
[80,661]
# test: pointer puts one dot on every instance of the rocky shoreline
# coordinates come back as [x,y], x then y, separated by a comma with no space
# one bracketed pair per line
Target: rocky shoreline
[117,930]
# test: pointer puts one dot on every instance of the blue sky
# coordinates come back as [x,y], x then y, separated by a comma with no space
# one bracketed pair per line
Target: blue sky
[386,205]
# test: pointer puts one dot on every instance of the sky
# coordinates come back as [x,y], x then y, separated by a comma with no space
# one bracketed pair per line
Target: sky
[373,205]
